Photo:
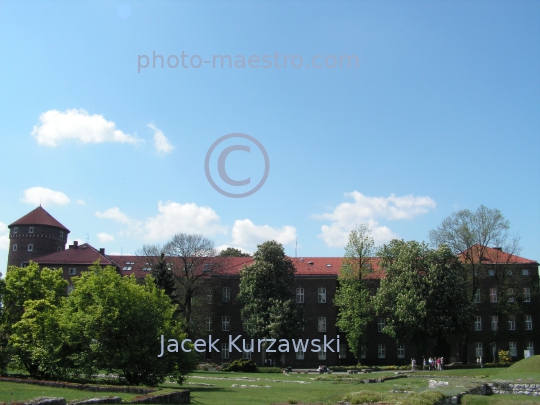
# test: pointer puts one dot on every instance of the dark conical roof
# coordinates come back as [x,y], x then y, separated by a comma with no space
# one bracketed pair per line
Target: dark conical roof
[38,217]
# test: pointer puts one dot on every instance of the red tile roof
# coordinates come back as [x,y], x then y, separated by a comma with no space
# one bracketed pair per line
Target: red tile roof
[82,254]
[496,255]
[39,217]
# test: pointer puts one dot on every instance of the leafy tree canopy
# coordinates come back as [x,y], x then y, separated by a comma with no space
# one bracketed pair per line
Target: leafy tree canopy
[233,252]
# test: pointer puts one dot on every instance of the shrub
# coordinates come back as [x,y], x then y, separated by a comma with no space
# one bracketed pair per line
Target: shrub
[504,356]
[242,365]
[270,370]
[423,398]
[362,397]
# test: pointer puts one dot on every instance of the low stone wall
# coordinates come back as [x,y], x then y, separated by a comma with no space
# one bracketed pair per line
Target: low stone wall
[97,401]
[177,397]
[40,401]
[515,388]
[83,387]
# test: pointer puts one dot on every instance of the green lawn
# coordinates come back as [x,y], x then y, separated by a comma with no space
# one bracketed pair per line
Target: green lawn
[10,392]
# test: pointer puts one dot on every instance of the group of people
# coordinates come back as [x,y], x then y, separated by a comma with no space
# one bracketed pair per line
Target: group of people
[322,369]
[431,364]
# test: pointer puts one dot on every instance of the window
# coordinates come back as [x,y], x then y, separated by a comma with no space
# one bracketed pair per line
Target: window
[70,288]
[322,324]
[224,351]
[59,249]
[509,273]
[401,351]
[528,322]
[494,322]
[225,323]
[363,351]
[381,350]
[510,295]
[491,273]
[493,295]
[525,272]
[512,348]
[62,234]
[300,295]
[322,295]
[342,350]
[72,271]
[511,322]
[478,324]
[380,324]
[476,298]
[126,268]
[322,355]
[30,229]
[530,348]
[478,349]
[31,247]
[209,298]
[299,355]
[226,297]
[526,295]
[247,352]
[16,230]
[209,324]
[15,248]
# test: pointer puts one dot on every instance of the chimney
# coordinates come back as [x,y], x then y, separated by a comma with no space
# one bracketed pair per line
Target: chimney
[75,245]
[102,251]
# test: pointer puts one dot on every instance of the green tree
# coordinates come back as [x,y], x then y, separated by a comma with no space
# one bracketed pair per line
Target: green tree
[233,252]
[422,294]
[269,309]
[353,297]
[483,241]
[4,353]
[27,291]
[112,323]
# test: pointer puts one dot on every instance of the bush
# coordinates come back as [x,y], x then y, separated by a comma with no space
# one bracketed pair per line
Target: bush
[362,397]
[270,370]
[504,356]
[242,365]
[208,367]
[423,398]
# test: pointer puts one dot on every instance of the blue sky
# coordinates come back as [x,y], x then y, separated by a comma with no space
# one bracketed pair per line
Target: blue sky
[441,113]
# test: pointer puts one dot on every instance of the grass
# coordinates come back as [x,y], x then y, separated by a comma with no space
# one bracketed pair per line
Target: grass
[10,392]
[217,388]
[527,369]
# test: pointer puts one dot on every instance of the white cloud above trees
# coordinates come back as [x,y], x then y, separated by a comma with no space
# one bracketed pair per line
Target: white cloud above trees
[105,237]
[366,209]
[4,237]
[44,196]
[247,235]
[56,127]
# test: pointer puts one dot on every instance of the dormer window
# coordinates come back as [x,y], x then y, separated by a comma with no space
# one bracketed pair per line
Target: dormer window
[31,229]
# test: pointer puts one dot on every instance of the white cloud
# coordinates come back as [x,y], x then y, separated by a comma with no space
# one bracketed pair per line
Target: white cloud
[116,215]
[365,209]
[44,196]
[81,202]
[247,235]
[57,126]
[4,236]
[161,143]
[172,218]
[105,237]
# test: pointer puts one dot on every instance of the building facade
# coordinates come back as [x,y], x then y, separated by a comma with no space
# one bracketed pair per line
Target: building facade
[39,237]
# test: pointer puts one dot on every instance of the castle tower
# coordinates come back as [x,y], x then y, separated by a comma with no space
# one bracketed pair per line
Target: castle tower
[35,235]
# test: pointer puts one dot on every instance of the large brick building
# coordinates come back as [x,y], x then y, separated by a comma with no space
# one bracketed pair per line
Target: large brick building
[39,237]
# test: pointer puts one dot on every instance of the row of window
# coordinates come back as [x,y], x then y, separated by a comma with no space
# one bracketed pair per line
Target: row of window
[31,230]
[508,272]
[299,354]
[226,324]
[321,295]
[493,296]
[512,348]
[30,248]
[495,323]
